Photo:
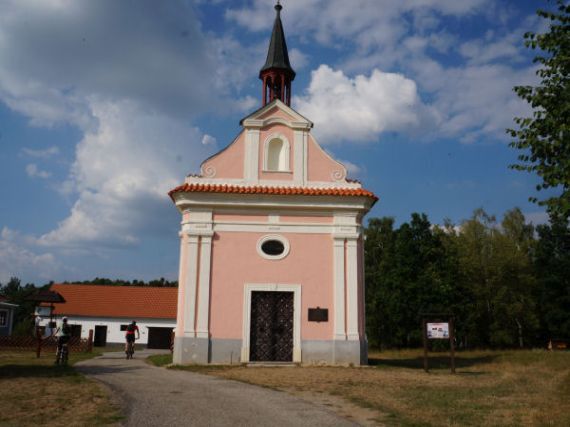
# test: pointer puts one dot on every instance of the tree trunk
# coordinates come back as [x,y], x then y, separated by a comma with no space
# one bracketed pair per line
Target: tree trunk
[521,342]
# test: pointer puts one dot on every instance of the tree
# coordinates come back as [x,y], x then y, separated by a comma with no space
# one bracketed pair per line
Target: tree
[475,259]
[497,271]
[409,271]
[157,283]
[517,306]
[552,266]
[18,294]
[544,138]
[380,281]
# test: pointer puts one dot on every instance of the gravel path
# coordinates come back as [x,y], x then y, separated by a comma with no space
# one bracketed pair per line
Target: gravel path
[154,396]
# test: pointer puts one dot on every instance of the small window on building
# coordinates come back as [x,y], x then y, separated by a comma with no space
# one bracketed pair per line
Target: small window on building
[124,327]
[273,247]
[3,318]
[277,155]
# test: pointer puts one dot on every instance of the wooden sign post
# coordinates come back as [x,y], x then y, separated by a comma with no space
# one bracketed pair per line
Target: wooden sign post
[434,328]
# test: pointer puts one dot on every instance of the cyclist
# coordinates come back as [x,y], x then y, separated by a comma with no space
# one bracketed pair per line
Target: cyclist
[132,329]
[63,335]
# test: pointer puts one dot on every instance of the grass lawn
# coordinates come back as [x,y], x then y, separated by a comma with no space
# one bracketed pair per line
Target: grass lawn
[35,392]
[160,359]
[507,388]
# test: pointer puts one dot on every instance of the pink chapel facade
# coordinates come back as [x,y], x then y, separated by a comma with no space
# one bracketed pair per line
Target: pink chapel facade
[271,249]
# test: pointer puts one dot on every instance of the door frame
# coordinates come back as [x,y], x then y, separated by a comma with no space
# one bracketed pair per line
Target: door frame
[249,288]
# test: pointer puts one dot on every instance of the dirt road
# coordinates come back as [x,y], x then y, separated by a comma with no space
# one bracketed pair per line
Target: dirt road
[154,396]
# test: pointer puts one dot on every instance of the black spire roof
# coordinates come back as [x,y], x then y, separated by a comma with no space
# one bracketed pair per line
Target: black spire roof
[277,55]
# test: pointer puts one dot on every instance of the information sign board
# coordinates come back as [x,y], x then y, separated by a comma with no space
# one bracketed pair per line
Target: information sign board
[437,331]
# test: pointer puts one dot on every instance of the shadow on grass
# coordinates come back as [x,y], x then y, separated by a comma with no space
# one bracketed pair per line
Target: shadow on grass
[39,371]
[434,362]
[22,370]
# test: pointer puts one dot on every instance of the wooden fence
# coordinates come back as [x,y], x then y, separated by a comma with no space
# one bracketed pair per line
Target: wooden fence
[49,344]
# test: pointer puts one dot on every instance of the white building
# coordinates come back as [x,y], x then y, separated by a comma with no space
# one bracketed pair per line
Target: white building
[107,310]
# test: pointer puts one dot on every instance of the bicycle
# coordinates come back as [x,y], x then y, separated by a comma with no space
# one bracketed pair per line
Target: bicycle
[62,354]
[130,349]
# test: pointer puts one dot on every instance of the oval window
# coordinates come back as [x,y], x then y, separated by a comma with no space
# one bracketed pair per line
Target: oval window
[273,247]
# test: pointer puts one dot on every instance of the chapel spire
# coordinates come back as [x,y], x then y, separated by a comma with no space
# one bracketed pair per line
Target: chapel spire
[277,73]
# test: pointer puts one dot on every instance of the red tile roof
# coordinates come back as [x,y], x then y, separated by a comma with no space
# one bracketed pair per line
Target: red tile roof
[133,302]
[281,191]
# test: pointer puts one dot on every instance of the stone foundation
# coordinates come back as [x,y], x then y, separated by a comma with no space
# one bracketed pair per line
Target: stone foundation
[189,350]
[202,351]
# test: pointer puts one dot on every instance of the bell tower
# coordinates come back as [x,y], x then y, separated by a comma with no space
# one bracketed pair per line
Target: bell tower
[277,73]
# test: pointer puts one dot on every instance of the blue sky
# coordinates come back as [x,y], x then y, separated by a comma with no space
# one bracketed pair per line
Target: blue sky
[106,105]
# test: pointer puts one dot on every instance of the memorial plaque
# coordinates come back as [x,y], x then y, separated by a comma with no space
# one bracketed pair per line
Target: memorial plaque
[318,314]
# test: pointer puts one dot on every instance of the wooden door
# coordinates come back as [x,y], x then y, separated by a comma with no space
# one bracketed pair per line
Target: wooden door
[159,337]
[100,338]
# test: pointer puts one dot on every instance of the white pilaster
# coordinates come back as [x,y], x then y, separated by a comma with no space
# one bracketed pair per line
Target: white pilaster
[299,158]
[202,330]
[251,156]
[305,157]
[339,292]
[190,282]
[181,287]
[352,289]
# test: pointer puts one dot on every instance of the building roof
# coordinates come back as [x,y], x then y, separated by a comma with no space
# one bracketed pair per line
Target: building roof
[46,295]
[4,302]
[7,304]
[133,302]
[280,191]
[277,55]
[281,105]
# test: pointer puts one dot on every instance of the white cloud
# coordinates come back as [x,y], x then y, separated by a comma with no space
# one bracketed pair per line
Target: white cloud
[537,218]
[483,51]
[298,58]
[126,77]
[208,140]
[352,169]
[41,154]
[362,19]
[52,59]
[364,106]
[247,104]
[34,171]
[121,175]
[471,100]
[18,260]
[477,102]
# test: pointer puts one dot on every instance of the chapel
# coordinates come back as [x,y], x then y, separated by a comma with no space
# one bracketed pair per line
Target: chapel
[271,245]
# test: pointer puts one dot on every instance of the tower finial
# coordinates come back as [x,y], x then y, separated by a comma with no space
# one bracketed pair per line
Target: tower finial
[277,72]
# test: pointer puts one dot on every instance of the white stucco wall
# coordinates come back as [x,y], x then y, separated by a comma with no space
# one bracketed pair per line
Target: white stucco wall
[114,333]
